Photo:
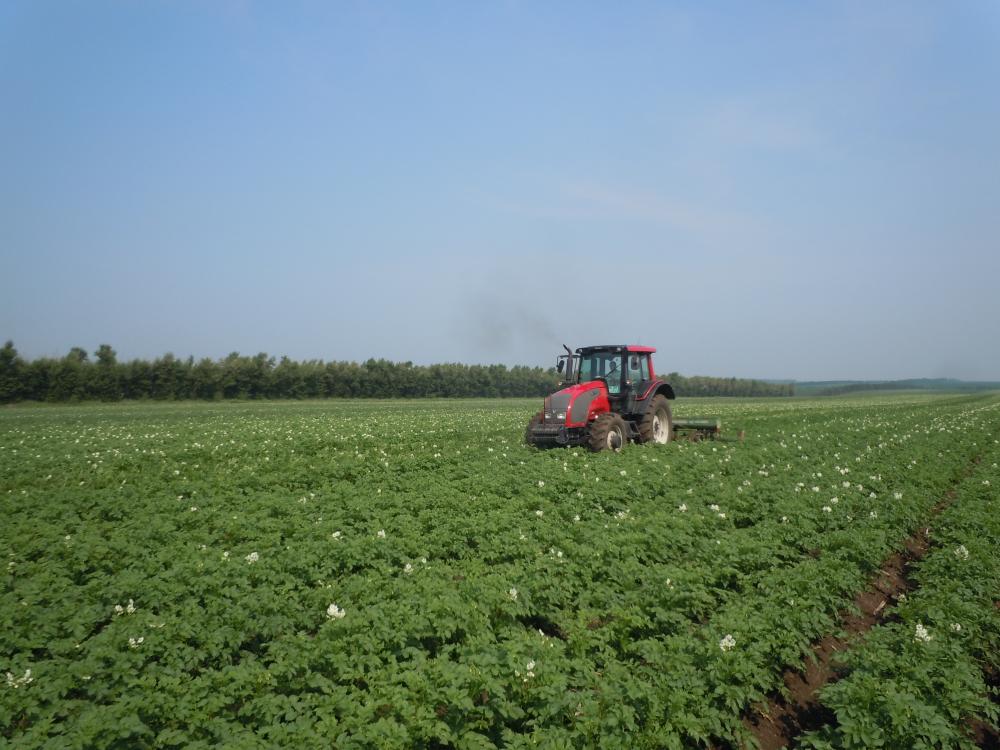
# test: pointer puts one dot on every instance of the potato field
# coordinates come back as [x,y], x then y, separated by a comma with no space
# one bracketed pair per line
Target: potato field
[408,574]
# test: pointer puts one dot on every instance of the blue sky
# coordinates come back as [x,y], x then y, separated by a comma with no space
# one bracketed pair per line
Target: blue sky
[783,190]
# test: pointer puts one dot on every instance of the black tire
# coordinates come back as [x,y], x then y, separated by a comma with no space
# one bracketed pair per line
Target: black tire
[608,432]
[533,422]
[657,426]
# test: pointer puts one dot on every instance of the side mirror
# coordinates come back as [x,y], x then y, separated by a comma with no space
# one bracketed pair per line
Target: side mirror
[560,364]
[634,363]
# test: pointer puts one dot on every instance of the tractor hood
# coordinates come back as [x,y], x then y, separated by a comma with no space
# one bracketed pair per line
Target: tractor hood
[576,405]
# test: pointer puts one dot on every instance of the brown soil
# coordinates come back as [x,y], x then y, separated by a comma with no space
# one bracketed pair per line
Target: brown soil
[778,722]
[982,733]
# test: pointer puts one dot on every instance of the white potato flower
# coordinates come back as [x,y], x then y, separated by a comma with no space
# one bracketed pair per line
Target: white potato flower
[18,682]
[334,612]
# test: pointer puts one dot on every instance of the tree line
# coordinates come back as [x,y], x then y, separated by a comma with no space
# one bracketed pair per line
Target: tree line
[919,384]
[78,377]
[704,385]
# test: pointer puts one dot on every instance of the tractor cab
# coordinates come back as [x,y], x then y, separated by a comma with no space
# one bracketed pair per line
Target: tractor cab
[624,370]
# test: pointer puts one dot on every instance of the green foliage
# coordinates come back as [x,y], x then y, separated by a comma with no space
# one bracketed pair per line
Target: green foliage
[703,385]
[11,374]
[916,682]
[75,378]
[409,574]
[834,388]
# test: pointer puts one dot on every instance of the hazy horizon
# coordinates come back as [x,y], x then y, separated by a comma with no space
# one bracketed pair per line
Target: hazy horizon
[779,191]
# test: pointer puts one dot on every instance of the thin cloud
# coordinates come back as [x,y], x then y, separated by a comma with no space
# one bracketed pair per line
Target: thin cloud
[740,123]
[585,199]
[708,223]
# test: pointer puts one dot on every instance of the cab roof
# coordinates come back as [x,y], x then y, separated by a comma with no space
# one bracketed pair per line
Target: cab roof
[632,348]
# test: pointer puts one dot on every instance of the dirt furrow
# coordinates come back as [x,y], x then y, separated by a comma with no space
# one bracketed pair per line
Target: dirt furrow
[778,722]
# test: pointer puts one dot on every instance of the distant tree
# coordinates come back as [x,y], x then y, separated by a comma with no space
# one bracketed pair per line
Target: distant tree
[229,376]
[261,371]
[287,380]
[11,374]
[205,380]
[106,356]
[137,379]
[312,379]
[37,378]
[69,380]
[107,378]
[167,377]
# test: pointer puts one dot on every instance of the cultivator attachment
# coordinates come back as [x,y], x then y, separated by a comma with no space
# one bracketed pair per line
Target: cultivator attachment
[700,428]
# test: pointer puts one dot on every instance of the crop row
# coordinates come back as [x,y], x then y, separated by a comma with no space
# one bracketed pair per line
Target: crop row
[921,679]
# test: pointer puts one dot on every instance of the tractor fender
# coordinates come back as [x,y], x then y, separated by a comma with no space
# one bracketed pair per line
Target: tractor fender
[657,388]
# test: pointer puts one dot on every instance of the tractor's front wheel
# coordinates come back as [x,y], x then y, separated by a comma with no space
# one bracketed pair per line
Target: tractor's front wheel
[608,432]
[657,426]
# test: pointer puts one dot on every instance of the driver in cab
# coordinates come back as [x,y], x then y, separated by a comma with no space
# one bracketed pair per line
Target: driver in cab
[614,377]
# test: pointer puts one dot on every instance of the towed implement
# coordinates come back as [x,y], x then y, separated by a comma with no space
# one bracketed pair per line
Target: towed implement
[610,395]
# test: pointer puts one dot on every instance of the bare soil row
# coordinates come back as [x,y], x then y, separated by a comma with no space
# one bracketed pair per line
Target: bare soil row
[778,722]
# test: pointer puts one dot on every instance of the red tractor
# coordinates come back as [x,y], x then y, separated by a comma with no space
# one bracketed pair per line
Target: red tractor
[608,396]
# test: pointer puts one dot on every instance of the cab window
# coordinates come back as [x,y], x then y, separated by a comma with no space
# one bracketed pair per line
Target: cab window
[638,367]
[613,374]
[605,365]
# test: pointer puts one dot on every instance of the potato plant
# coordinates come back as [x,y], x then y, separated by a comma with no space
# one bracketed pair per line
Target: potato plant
[408,573]
[916,681]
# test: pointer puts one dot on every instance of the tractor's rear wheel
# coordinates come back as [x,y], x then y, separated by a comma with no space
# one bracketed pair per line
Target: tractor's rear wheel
[608,432]
[532,423]
[657,426]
